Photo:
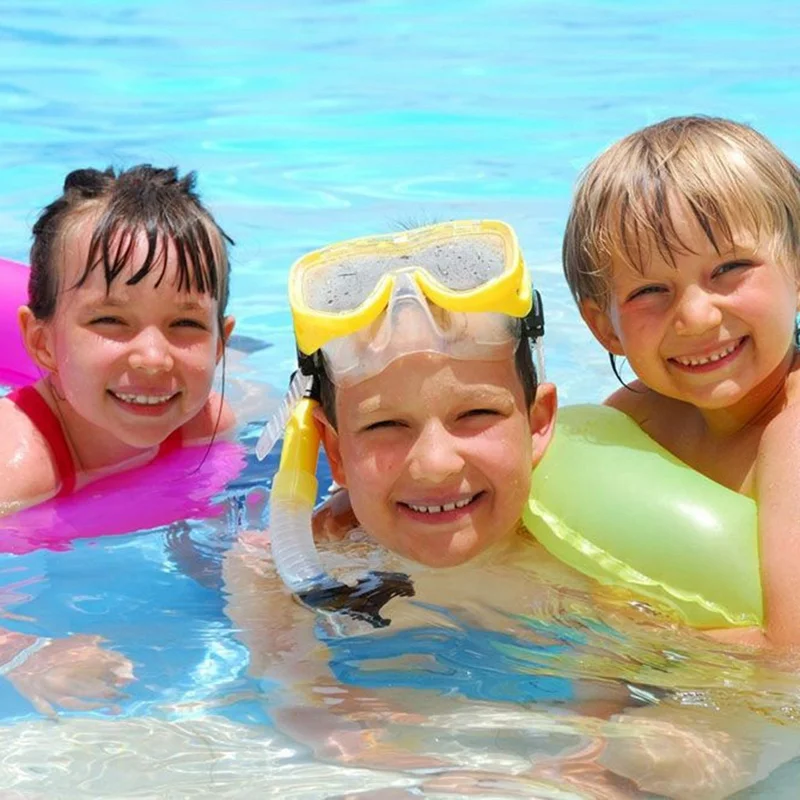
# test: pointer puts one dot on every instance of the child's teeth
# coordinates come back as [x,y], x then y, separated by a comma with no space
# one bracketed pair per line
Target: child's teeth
[438,509]
[696,362]
[144,399]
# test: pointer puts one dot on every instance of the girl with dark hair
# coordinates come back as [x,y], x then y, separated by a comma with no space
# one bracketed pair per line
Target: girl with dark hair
[126,321]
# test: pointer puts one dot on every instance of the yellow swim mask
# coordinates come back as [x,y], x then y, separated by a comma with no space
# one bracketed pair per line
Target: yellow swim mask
[464,266]
[459,289]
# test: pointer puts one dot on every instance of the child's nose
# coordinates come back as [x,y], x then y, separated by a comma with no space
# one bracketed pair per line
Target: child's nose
[151,353]
[435,455]
[697,312]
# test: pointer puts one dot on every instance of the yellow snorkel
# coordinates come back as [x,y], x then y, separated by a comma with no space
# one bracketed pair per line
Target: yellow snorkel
[464,285]
[294,492]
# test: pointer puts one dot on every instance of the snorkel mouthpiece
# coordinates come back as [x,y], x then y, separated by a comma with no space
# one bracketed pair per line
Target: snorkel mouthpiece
[363,601]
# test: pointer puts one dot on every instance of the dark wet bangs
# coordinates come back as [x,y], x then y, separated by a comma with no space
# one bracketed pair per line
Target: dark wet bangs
[200,251]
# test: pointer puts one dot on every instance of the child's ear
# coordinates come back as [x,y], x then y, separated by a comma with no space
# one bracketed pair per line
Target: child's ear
[228,325]
[601,326]
[330,441]
[542,416]
[38,340]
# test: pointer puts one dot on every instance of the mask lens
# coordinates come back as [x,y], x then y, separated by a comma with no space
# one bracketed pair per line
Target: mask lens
[460,263]
[463,263]
[341,285]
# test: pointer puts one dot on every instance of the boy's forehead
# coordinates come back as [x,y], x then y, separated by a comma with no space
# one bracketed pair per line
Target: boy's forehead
[411,380]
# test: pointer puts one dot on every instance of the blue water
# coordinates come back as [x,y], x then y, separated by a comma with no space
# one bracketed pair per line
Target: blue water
[314,121]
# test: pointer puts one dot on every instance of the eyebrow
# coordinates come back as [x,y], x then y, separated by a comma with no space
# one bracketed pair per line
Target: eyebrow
[480,392]
[470,393]
[191,305]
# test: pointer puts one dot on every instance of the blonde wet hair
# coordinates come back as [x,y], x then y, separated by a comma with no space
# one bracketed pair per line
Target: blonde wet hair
[726,175]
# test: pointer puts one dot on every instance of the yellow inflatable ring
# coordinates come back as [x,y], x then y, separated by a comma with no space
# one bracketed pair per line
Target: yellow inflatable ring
[615,505]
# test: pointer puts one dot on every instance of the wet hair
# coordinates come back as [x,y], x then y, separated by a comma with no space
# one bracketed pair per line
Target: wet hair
[725,175]
[142,200]
[523,361]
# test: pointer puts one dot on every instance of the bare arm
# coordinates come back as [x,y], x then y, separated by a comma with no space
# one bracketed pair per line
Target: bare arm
[73,672]
[27,475]
[778,497]
[686,752]
[277,632]
[754,637]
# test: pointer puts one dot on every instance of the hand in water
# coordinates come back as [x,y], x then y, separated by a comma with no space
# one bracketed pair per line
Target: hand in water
[74,673]
[678,755]
[352,741]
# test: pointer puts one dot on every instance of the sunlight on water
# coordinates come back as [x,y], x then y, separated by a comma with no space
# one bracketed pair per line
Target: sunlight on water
[316,121]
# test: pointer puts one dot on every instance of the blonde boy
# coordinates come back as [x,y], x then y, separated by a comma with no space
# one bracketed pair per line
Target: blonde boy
[683,253]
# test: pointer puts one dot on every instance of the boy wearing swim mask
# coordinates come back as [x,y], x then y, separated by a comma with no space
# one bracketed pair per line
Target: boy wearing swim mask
[432,417]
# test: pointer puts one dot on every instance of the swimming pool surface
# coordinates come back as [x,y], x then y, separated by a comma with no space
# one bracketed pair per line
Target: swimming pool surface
[309,122]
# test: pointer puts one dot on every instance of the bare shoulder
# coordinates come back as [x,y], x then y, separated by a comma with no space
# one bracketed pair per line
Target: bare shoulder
[216,418]
[640,403]
[783,430]
[782,434]
[669,422]
[28,472]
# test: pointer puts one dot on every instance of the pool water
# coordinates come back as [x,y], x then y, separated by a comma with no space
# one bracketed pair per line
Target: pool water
[321,120]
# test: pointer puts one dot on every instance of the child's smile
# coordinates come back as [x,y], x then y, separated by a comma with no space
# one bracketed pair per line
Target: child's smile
[436,454]
[146,404]
[708,361]
[711,329]
[444,509]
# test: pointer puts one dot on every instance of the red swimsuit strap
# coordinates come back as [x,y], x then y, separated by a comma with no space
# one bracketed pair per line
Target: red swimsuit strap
[173,442]
[31,403]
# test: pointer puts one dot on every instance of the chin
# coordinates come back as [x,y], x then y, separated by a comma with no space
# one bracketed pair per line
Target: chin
[453,556]
[143,441]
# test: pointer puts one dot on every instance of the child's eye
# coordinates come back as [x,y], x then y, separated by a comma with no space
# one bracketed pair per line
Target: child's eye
[189,323]
[107,321]
[642,291]
[730,266]
[384,423]
[479,412]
